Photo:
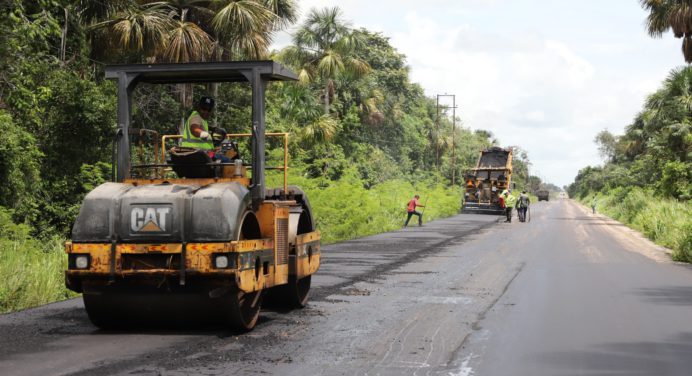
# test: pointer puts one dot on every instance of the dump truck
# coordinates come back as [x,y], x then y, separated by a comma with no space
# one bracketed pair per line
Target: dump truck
[485,183]
[543,195]
[181,239]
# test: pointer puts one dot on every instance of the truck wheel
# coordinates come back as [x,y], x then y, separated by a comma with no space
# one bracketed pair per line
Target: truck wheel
[293,295]
[244,309]
[298,291]
[100,313]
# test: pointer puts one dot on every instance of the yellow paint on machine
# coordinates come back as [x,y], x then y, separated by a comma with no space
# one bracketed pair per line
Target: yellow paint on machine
[308,254]
[198,258]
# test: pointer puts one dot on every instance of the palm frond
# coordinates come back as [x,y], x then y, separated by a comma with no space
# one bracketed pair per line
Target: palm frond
[304,77]
[142,30]
[322,130]
[330,64]
[357,67]
[239,17]
[286,12]
[254,45]
[188,43]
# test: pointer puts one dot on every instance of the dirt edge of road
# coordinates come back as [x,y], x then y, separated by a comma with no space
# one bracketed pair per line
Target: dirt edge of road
[631,238]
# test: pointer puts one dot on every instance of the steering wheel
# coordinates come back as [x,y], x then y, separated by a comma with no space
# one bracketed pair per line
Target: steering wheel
[218,135]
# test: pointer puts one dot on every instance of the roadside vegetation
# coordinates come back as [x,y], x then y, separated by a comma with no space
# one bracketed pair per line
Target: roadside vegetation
[663,220]
[646,180]
[31,270]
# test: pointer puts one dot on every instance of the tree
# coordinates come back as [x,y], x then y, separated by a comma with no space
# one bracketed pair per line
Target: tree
[325,48]
[20,159]
[606,144]
[675,15]
[188,30]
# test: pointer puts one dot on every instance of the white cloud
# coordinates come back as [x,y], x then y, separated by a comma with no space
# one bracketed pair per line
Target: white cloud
[535,116]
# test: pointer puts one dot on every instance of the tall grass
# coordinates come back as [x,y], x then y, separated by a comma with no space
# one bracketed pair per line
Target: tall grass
[344,209]
[666,222]
[31,271]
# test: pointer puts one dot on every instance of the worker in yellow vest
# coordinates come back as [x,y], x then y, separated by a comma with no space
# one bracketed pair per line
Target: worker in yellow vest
[510,202]
[196,130]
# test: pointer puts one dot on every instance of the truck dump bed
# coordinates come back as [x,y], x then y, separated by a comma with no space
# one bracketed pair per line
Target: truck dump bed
[483,184]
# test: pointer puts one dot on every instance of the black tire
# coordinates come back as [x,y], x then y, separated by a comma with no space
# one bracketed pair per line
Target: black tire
[101,313]
[244,309]
[293,295]
[299,291]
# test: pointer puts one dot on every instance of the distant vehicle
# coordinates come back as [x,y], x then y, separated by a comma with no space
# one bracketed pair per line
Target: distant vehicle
[492,175]
[543,195]
[563,195]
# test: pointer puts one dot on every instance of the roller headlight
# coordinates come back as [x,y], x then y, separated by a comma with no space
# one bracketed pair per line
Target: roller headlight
[81,262]
[221,261]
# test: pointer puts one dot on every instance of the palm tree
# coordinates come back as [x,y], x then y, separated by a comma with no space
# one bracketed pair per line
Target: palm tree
[121,27]
[323,130]
[190,30]
[670,108]
[665,15]
[325,48]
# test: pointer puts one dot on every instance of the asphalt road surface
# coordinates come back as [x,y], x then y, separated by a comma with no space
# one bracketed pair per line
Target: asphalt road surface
[570,293]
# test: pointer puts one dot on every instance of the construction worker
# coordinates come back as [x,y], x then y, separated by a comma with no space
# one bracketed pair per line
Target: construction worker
[523,205]
[196,130]
[510,202]
[412,204]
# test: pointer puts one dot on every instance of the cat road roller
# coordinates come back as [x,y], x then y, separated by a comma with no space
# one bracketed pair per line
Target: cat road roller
[183,239]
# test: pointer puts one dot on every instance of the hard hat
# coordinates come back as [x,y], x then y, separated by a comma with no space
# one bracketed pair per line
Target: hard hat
[206,103]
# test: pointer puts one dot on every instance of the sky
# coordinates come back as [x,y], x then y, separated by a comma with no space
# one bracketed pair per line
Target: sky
[542,75]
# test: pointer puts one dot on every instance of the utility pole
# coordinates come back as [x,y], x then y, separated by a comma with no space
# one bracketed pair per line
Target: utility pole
[454,128]
[437,135]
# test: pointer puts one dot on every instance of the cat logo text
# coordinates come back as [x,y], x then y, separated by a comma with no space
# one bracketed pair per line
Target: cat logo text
[148,219]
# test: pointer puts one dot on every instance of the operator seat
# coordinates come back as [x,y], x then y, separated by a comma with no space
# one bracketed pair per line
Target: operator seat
[191,163]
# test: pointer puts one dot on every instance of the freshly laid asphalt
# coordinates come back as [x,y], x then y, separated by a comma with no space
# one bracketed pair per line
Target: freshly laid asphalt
[569,293]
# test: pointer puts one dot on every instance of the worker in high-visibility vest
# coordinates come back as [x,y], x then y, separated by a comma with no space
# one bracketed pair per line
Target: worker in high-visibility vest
[196,129]
[510,202]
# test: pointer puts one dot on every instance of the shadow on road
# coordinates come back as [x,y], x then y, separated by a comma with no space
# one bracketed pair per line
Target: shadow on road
[672,295]
[577,218]
[627,358]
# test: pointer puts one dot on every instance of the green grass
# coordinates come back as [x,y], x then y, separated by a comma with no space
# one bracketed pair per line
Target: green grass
[345,210]
[666,222]
[32,271]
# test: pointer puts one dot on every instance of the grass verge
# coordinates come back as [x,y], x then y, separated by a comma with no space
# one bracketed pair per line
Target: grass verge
[32,271]
[666,222]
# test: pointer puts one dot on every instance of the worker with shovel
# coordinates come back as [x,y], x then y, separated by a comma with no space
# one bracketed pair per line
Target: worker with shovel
[412,204]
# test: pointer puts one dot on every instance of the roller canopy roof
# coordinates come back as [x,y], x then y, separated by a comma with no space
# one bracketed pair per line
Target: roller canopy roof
[232,71]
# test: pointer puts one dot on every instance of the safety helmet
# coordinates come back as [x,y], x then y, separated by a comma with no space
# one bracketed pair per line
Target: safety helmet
[206,103]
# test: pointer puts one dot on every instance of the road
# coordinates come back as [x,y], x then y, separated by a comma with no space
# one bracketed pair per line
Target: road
[570,293]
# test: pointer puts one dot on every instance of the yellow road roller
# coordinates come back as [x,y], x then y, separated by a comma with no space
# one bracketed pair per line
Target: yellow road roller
[180,238]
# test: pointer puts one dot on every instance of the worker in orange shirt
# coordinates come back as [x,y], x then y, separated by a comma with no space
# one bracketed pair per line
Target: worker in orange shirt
[412,205]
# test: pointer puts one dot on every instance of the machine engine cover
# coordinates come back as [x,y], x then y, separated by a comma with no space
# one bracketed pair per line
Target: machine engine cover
[161,213]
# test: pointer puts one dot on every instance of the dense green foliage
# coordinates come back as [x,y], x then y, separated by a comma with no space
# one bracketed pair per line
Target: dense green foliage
[647,178]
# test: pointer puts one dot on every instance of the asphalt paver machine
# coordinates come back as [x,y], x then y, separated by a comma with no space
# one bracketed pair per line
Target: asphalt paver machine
[485,183]
[184,239]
